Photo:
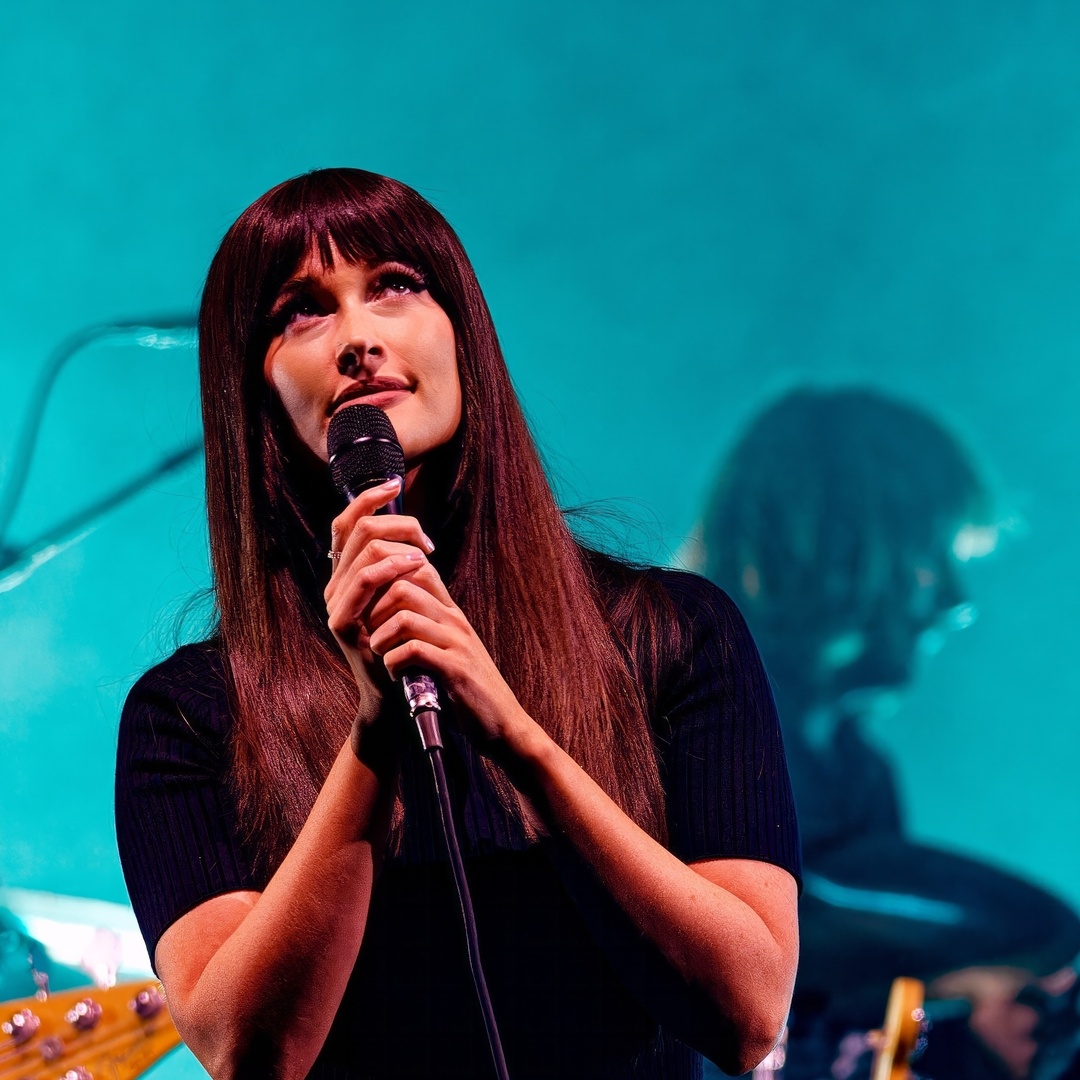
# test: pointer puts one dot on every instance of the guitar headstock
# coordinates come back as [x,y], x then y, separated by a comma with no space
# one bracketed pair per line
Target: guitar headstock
[115,1033]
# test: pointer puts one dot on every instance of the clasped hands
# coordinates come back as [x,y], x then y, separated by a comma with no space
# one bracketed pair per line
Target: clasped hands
[388,607]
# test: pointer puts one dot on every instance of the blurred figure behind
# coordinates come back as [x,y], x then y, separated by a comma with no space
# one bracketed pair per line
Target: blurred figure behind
[838,524]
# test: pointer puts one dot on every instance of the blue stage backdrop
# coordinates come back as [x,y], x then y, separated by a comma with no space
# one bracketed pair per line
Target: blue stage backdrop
[676,214]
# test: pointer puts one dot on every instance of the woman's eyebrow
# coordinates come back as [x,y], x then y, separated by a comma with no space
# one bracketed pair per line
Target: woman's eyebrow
[375,265]
[294,286]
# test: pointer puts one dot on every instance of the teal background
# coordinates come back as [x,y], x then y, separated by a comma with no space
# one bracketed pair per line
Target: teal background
[675,215]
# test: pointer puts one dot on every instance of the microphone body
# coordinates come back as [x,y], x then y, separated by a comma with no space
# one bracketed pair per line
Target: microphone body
[364,452]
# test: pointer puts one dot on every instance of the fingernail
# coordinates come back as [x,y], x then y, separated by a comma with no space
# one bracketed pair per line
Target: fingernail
[416,556]
[429,546]
[390,485]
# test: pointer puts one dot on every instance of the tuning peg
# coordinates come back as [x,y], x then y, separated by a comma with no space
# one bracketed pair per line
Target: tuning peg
[21,1026]
[83,1015]
[148,1003]
[52,1048]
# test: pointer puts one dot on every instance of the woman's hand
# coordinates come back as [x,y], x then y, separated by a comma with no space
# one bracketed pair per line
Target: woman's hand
[386,600]
[374,551]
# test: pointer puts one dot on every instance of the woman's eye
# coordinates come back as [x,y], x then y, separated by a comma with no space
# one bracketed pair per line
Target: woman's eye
[398,281]
[294,310]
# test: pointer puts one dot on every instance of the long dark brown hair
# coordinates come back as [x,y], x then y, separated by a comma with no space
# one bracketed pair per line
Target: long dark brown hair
[524,583]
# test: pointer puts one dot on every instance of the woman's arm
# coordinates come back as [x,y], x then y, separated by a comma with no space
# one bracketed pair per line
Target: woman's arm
[254,979]
[726,928]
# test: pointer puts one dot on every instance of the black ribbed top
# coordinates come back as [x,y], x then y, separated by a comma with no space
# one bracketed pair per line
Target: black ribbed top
[409,1009]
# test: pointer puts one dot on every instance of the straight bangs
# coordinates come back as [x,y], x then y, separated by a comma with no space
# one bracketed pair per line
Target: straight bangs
[362,217]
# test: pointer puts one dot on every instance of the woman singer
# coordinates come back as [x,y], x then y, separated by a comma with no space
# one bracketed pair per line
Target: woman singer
[614,754]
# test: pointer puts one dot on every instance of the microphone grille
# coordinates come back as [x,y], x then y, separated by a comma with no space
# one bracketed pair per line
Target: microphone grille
[363,449]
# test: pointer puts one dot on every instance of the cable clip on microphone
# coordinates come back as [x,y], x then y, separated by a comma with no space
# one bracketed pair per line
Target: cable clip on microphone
[422,697]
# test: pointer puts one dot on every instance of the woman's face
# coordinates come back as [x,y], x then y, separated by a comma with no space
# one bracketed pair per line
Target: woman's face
[360,332]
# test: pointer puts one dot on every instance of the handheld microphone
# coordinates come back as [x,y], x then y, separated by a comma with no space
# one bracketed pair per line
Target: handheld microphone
[364,452]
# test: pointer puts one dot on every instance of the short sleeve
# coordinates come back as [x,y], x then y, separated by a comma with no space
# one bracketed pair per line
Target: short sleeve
[726,778]
[176,822]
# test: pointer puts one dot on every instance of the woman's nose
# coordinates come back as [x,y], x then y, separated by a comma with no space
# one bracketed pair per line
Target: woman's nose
[358,343]
[350,360]
[356,354]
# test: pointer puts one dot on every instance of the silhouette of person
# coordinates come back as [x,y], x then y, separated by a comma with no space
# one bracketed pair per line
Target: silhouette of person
[838,523]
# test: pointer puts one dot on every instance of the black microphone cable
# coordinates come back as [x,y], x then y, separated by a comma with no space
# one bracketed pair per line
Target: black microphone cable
[426,716]
[364,451]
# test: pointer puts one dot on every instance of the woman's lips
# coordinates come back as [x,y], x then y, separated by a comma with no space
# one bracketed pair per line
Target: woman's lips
[378,394]
[380,399]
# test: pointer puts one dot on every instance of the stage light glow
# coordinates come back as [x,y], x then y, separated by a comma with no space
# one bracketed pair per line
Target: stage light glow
[975,541]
